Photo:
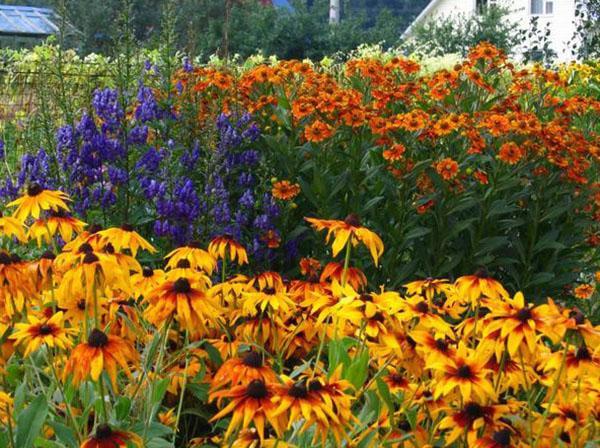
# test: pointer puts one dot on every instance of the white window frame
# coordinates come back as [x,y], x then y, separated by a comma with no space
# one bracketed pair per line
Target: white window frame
[545,4]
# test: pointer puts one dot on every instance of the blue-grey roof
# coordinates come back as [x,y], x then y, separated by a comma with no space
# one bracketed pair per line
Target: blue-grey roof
[26,20]
[282,4]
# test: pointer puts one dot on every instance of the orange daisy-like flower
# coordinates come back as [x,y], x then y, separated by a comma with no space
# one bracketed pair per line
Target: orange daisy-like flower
[106,437]
[12,227]
[349,231]
[447,168]
[334,271]
[219,246]
[37,200]
[57,222]
[285,190]
[584,291]
[193,252]
[472,287]
[125,238]
[186,300]
[318,131]
[37,332]
[100,352]
[395,153]
[511,153]
[250,403]
[428,287]
[466,371]
[243,369]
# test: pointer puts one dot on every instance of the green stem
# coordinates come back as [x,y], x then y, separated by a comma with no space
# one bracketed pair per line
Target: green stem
[552,396]
[50,361]
[102,395]
[474,331]
[183,387]
[346,263]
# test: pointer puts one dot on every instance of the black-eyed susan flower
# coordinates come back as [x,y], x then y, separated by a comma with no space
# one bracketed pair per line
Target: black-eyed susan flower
[351,232]
[225,247]
[193,252]
[242,369]
[335,271]
[249,403]
[519,322]
[428,287]
[101,352]
[186,300]
[473,287]
[12,227]
[106,437]
[57,222]
[36,200]
[144,281]
[6,408]
[38,332]
[274,297]
[125,237]
[466,372]
[470,418]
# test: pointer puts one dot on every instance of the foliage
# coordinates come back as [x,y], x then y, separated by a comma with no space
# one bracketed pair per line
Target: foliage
[458,33]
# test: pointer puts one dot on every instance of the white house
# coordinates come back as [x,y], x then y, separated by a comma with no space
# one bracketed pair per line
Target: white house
[557,15]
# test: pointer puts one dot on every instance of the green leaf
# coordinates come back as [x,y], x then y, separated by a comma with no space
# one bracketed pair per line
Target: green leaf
[160,389]
[30,422]
[64,433]
[417,232]
[122,408]
[358,369]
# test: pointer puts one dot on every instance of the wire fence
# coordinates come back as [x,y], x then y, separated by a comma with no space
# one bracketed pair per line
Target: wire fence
[23,92]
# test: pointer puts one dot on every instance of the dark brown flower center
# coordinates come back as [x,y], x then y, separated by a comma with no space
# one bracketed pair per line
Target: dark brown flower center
[81,304]
[565,437]
[252,359]
[298,390]
[184,264]
[583,354]
[257,389]
[352,220]
[315,386]
[502,437]
[127,227]
[482,273]
[524,314]
[147,272]
[90,258]
[97,338]
[270,291]
[422,307]
[109,248]
[34,189]
[464,372]
[85,248]
[182,286]
[103,432]
[473,411]
[441,345]
[194,244]
[366,297]
[45,330]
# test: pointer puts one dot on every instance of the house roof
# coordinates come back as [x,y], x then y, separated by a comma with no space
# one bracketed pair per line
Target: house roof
[432,4]
[27,21]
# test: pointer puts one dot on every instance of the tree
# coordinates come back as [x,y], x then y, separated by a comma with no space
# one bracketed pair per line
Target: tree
[587,37]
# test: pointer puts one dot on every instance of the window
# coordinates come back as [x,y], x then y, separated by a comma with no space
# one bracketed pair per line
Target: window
[542,7]
[482,5]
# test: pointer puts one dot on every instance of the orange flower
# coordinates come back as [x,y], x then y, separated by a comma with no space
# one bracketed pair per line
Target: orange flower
[349,231]
[395,153]
[447,168]
[285,190]
[584,291]
[318,131]
[511,153]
